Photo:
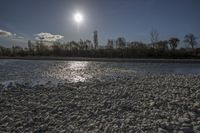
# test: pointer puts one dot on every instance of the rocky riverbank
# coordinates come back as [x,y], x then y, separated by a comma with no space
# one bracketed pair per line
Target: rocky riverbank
[151,103]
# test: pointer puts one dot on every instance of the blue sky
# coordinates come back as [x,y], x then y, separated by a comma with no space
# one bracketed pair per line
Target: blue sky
[132,19]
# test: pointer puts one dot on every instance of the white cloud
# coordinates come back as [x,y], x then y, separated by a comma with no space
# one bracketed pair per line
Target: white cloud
[4,33]
[48,37]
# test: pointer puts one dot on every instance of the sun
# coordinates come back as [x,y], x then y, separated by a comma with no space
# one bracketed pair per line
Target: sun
[78,18]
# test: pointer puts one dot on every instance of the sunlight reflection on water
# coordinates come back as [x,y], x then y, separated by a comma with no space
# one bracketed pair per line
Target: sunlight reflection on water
[78,69]
[72,71]
[77,65]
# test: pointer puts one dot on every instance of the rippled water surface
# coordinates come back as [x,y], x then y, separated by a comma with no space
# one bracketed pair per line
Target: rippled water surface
[40,71]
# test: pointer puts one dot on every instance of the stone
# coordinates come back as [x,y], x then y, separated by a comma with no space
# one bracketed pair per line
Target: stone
[63,131]
[186,130]
[184,120]
[196,104]
[192,114]
[161,130]
[196,128]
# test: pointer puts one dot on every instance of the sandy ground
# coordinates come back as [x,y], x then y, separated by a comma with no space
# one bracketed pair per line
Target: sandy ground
[162,103]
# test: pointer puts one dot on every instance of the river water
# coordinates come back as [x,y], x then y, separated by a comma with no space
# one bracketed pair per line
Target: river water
[40,71]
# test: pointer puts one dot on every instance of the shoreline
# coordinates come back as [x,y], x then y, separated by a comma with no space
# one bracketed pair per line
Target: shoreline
[131,60]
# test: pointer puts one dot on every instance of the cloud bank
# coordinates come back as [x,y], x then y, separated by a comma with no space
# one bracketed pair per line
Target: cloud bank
[4,33]
[48,37]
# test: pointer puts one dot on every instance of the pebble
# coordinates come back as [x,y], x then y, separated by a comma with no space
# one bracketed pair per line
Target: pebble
[148,103]
[182,120]
[186,130]
[160,130]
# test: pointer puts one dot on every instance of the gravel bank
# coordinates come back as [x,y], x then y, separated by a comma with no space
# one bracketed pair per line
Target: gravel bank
[162,103]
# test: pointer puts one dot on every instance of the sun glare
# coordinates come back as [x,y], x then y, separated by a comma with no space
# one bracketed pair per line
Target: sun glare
[78,17]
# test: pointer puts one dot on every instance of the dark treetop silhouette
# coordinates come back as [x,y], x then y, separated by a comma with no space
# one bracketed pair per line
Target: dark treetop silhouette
[118,48]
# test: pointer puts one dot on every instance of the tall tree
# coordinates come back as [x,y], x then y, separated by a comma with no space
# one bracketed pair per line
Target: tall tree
[30,47]
[173,42]
[190,39]
[81,45]
[56,48]
[89,44]
[1,50]
[154,37]
[110,44]
[95,39]
[162,45]
[41,48]
[121,42]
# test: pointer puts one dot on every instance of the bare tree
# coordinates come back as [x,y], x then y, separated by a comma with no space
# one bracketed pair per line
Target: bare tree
[190,39]
[173,42]
[154,37]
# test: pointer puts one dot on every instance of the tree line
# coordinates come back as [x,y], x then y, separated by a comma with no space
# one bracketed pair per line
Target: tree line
[119,48]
